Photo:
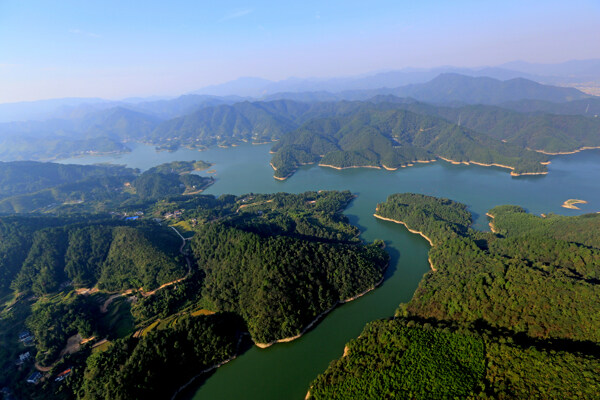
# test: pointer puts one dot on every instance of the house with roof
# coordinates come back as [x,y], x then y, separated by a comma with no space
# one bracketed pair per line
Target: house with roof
[35,377]
[63,375]
[23,357]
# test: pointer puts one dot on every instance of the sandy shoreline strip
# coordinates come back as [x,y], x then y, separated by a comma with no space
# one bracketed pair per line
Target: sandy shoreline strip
[278,177]
[560,153]
[434,269]
[527,173]
[404,223]
[491,224]
[512,169]
[411,164]
[353,166]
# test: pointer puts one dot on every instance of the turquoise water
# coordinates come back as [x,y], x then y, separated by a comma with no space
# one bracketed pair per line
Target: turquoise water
[284,371]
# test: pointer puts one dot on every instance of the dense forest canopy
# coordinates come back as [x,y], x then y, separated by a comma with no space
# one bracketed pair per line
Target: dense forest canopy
[548,132]
[108,253]
[412,358]
[297,256]
[21,177]
[95,285]
[57,188]
[268,265]
[527,294]
[393,139]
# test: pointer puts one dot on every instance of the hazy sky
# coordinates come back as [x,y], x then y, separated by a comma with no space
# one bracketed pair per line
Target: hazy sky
[114,49]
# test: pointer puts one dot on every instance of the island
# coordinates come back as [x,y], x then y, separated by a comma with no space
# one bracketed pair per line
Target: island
[571,203]
[511,314]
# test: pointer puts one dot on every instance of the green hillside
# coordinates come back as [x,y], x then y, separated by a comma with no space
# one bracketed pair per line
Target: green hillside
[393,139]
[516,311]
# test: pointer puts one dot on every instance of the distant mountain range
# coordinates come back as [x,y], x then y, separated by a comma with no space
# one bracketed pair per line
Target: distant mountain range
[312,89]
[519,111]
[76,108]
[455,88]
[569,72]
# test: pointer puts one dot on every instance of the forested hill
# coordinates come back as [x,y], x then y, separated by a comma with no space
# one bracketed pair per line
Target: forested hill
[97,133]
[213,123]
[49,187]
[20,177]
[38,254]
[392,139]
[269,265]
[227,125]
[516,312]
[296,255]
[438,219]
[546,132]
[119,123]
[514,221]
[256,122]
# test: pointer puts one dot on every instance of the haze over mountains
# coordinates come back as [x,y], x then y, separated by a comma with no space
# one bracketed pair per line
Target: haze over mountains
[561,74]
[569,72]
[525,114]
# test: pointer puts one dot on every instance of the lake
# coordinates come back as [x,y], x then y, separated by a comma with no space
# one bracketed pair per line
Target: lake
[284,371]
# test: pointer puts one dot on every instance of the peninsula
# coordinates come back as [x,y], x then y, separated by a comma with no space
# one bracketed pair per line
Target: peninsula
[368,139]
[467,321]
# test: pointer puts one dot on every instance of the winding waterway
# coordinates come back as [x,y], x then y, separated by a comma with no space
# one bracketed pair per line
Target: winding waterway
[284,371]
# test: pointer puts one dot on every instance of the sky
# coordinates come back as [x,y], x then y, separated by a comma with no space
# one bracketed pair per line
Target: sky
[116,49]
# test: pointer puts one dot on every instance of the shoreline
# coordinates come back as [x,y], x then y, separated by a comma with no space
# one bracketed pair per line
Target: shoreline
[278,177]
[404,223]
[433,268]
[527,173]
[411,164]
[209,369]
[86,154]
[353,166]
[561,153]
[477,163]
[491,223]
[346,348]
[320,316]
[512,169]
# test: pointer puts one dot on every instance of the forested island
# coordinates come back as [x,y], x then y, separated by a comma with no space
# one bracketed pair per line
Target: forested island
[114,300]
[511,313]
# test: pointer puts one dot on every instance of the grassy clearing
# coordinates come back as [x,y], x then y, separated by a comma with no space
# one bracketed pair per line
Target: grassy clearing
[172,320]
[149,328]
[184,228]
[118,320]
[202,311]
[103,347]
